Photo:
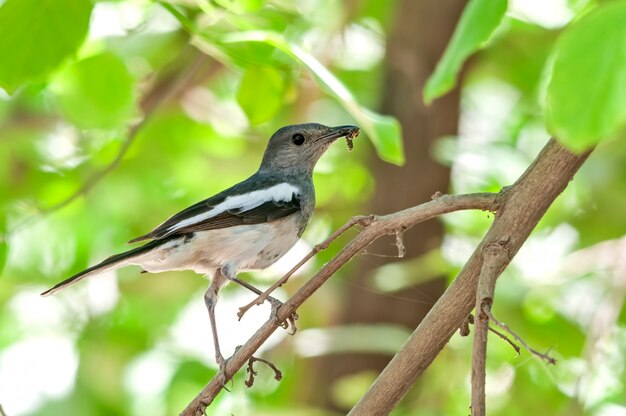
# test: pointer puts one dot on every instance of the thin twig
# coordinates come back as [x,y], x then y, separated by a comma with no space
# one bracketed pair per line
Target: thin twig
[507,339]
[495,258]
[361,220]
[2,411]
[278,375]
[543,356]
[380,226]
[465,331]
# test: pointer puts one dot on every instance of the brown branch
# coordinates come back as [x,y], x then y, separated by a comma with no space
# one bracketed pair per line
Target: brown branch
[545,357]
[495,258]
[507,339]
[278,375]
[523,205]
[378,227]
[361,220]
[465,331]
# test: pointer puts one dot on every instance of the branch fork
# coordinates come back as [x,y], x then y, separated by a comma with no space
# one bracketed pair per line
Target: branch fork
[373,227]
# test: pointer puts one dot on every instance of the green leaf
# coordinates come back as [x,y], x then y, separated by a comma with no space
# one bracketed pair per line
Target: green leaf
[384,131]
[478,22]
[586,98]
[241,6]
[260,93]
[96,92]
[4,247]
[37,35]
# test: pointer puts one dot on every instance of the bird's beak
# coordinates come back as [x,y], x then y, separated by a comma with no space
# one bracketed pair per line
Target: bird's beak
[339,131]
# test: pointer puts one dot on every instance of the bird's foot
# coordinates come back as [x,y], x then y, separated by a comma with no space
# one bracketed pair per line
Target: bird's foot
[221,362]
[201,409]
[290,323]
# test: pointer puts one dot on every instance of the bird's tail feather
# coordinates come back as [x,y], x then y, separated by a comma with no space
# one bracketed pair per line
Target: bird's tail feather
[111,263]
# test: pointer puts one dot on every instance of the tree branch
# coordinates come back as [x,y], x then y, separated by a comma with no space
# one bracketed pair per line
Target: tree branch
[545,357]
[360,220]
[495,259]
[378,227]
[522,206]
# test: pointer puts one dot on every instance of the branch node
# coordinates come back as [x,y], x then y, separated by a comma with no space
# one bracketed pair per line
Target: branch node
[437,195]
[400,242]
[464,328]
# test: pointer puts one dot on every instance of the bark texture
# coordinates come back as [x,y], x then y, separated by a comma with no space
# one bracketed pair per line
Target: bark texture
[523,205]
[420,32]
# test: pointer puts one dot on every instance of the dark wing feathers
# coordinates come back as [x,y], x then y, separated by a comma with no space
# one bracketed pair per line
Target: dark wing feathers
[268,211]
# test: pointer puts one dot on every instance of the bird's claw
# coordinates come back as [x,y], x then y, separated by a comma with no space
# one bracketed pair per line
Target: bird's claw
[290,323]
[221,362]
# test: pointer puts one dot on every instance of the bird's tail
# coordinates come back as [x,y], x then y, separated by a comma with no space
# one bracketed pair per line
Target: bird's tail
[110,263]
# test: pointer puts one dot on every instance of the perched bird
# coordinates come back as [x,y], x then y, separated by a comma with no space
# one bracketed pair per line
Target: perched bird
[249,226]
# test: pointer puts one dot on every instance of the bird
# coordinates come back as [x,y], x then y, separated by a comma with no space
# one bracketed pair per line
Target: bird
[248,226]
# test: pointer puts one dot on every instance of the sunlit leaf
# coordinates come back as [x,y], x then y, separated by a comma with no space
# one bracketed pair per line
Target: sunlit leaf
[96,92]
[478,22]
[261,93]
[37,35]
[587,92]
[241,6]
[4,248]
[384,131]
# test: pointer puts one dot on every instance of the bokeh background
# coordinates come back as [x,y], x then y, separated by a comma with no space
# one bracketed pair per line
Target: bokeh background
[141,108]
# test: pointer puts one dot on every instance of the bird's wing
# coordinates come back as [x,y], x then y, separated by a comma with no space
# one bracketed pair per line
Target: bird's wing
[230,208]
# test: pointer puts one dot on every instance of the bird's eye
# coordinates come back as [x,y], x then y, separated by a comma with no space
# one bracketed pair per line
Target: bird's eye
[297,139]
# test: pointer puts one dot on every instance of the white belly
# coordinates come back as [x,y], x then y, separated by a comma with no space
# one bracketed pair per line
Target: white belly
[243,247]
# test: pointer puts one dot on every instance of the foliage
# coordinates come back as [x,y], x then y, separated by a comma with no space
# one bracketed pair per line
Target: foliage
[30,55]
[587,92]
[478,22]
[207,82]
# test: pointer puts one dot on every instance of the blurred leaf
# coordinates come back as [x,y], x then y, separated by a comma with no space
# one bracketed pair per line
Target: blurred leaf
[478,22]
[587,93]
[260,93]
[348,390]
[96,92]
[384,131]
[4,251]
[410,273]
[518,56]
[241,6]
[361,338]
[37,36]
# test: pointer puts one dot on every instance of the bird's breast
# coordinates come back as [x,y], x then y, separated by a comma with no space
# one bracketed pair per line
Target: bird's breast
[247,247]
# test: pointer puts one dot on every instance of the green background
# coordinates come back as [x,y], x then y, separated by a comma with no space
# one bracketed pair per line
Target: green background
[116,114]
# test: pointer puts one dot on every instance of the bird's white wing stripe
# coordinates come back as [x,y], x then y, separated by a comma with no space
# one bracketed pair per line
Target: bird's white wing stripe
[281,192]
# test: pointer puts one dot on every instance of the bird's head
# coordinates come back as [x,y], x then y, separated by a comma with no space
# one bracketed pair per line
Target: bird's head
[300,146]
